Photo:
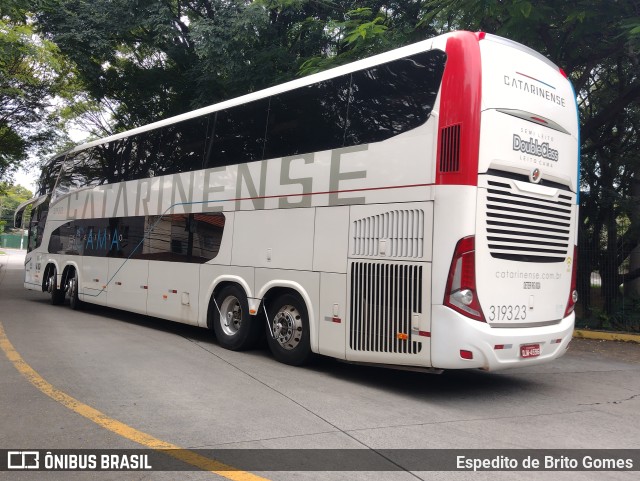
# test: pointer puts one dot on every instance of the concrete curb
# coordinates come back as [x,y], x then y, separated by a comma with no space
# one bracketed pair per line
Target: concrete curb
[606,336]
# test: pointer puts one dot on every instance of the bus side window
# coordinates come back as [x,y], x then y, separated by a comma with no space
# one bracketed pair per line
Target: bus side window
[393,98]
[146,155]
[86,168]
[239,134]
[36,226]
[183,237]
[308,119]
[49,175]
[182,146]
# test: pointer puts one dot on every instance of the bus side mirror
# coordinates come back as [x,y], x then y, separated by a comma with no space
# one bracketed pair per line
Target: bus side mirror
[17,219]
[18,216]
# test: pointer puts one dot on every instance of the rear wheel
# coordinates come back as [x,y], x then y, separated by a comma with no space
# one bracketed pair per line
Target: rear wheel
[57,295]
[72,289]
[234,327]
[288,330]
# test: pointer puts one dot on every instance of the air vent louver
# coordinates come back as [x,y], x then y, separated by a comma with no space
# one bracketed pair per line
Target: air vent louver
[384,298]
[450,149]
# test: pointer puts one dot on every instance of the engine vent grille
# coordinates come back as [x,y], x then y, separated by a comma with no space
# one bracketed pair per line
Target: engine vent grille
[527,228]
[384,298]
[401,233]
[450,149]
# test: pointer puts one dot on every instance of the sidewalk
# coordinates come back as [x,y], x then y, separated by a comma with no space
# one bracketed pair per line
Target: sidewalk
[606,336]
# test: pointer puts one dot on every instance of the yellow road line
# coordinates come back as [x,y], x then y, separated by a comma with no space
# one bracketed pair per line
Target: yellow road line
[115,426]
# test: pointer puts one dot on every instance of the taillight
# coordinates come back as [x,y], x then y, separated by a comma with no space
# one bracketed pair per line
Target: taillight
[461,294]
[573,293]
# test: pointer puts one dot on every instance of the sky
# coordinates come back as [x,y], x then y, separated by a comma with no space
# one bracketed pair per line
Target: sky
[26,179]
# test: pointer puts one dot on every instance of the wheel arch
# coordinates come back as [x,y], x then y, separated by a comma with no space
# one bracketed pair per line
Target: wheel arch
[274,289]
[51,264]
[68,268]
[216,286]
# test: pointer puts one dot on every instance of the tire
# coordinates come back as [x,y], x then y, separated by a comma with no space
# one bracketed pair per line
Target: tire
[57,295]
[236,329]
[288,330]
[74,302]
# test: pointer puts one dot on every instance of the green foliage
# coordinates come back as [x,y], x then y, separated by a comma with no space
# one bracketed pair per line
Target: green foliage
[596,43]
[11,196]
[150,59]
[138,61]
[32,74]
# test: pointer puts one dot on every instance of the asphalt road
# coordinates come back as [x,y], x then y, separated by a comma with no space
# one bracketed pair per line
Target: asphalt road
[176,384]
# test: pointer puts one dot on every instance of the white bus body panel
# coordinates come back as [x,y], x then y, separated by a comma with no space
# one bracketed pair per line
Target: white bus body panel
[128,284]
[516,78]
[94,278]
[388,307]
[515,292]
[173,291]
[453,332]
[332,315]
[280,239]
[331,239]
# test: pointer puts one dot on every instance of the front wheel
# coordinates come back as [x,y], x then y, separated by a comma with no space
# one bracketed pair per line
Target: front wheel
[288,330]
[234,328]
[57,295]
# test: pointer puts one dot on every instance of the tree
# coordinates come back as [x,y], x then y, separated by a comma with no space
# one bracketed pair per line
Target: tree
[33,76]
[145,60]
[597,44]
[151,59]
[11,196]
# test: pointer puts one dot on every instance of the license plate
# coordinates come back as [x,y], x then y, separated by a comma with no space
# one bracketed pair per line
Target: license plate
[530,350]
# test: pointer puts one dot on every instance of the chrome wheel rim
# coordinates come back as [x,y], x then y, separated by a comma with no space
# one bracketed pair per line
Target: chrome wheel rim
[287,327]
[230,316]
[50,283]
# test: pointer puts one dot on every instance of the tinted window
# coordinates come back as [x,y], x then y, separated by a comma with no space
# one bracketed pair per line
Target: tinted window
[143,154]
[367,106]
[106,164]
[175,238]
[238,134]
[182,147]
[308,119]
[114,237]
[83,169]
[184,238]
[49,175]
[37,225]
[389,99]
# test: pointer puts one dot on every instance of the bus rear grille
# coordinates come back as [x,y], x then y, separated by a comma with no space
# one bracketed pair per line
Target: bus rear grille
[384,298]
[528,228]
[402,232]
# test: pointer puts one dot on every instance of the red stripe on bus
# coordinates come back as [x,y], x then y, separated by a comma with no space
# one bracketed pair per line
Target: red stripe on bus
[365,189]
[460,105]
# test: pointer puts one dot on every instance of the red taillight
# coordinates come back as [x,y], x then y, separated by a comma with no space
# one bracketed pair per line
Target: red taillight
[461,294]
[573,293]
[563,73]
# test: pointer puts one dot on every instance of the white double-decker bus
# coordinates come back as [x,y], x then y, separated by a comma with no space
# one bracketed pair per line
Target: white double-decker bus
[415,209]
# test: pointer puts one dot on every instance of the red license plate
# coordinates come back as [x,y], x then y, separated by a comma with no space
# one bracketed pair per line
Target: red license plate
[530,350]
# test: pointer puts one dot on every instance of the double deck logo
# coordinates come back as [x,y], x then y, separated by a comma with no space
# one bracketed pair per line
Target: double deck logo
[23,460]
[535,148]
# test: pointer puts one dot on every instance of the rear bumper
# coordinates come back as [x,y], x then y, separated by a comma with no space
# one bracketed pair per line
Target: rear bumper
[452,332]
